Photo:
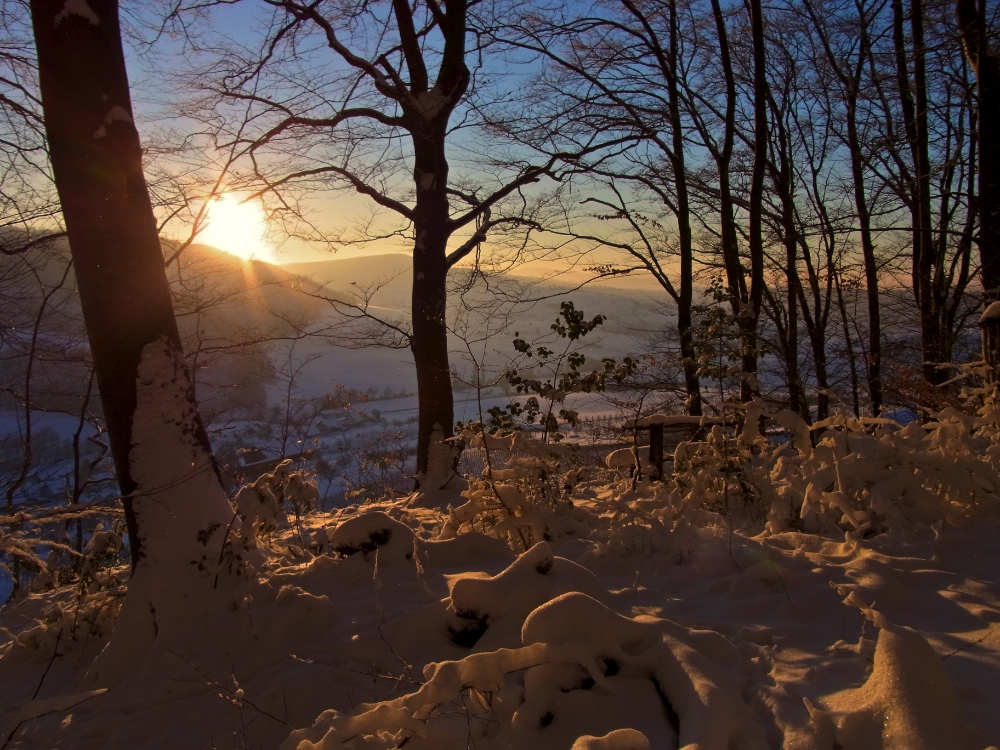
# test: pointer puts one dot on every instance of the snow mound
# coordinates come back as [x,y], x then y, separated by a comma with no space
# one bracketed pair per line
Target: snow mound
[637,614]
[577,669]
[373,531]
[907,702]
[620,739]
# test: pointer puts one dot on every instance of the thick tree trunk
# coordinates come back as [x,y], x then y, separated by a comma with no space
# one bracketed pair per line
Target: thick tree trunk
[97,163]
[986,62]
[175,505]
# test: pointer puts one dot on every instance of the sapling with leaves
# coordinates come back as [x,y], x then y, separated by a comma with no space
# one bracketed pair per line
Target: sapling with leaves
[546,397]
[718,344]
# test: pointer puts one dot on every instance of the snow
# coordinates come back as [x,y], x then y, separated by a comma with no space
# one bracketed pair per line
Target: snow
[116,114]
[60,703]
[78,8]
[626,458]
[991,313]
[430,103]
[677,420]
[907,702]
[849,598]
[182,513]
[620,739]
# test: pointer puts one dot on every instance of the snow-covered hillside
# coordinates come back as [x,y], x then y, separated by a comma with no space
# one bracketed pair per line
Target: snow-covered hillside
[837,595]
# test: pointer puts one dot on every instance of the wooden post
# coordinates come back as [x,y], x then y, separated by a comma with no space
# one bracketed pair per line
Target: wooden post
[656,450]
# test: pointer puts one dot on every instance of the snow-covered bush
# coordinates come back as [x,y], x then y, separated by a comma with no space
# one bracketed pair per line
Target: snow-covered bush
[77,595]
[41,551]
[845,473]
[525,501]
[264,505]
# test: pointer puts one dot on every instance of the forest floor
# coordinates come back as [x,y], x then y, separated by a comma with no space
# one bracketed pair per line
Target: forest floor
[631,626]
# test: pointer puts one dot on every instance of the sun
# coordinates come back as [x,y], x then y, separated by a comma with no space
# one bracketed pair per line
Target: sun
[237,228]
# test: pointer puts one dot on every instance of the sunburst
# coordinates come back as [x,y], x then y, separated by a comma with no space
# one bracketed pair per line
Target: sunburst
[238,228]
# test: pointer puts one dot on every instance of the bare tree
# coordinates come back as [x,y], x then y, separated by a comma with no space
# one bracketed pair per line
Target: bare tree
[626,71]
[926,159]
[849,67]
[371,108]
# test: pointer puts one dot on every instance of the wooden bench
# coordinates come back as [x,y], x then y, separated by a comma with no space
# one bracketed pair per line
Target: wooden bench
[674,425]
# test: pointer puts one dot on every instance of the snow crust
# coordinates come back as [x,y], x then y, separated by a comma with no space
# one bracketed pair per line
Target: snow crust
[116,114]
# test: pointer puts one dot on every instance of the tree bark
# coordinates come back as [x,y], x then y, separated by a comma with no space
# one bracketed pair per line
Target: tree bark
[97,164]
[741,293]
[874,359]
[685,318]
[429,338]
[986,63]
[749,316]
[913,100]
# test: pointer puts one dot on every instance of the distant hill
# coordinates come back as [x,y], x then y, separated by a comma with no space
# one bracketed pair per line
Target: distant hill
[208,284]
[351,278]
[222,300]
[225,293]
[618,298]
[227,309]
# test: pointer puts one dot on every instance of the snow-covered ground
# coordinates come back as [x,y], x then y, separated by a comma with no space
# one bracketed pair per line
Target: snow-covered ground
[846,596]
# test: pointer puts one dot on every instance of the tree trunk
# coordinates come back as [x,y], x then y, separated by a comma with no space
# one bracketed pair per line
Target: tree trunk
[845,324]
[750,315]
[852,84]
[97,163]
[175,507]
[685,320]
[913,100]
[740,293]
[783,186]
[429,338]
[986,63]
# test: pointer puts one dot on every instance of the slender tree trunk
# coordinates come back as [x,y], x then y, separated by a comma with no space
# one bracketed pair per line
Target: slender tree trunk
[913,100]
[685,319]
[873,368]
[749,317]
[429,338]
[845,323]
[782,175]
[746,313]
[874,360]
[816,331]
